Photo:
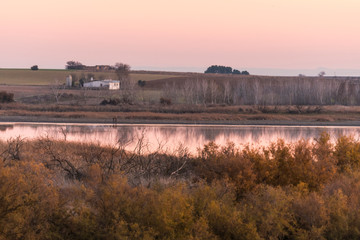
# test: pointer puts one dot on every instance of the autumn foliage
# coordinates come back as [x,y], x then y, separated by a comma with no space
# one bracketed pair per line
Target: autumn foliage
[64,190]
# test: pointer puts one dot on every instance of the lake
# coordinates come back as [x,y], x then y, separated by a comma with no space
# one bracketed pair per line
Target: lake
[171,136]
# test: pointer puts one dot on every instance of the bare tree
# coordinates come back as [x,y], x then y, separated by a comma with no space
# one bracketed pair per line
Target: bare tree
[204,84]
[64,131]
[122,71]
[57,89]
[59,157]
[213,91]
[256,91]
[188,91]
[227,92]
[84,94]
[128,90]
[321,74]
[170,91]
[13,149]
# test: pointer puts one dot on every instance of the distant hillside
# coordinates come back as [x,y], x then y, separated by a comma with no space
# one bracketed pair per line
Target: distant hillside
[46,77]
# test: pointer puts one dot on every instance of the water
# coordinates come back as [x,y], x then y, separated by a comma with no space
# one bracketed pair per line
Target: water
[169,137]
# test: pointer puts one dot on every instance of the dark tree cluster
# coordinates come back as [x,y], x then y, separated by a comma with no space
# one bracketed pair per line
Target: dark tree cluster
[35,68]
[141,83]
[165,101]
[111,101]
[74,65]
[224,70]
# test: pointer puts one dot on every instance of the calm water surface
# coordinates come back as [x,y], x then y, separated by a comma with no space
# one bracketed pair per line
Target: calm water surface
[169,137]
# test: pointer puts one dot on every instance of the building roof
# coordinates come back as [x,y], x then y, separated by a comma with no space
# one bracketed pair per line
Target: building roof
[105,81]
[110,81]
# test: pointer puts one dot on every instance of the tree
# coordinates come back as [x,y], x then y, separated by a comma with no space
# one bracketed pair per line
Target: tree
[235,71]
[122,70]
[224,70]
[74,65]
[219,69]
[57,89]
[127,85]
[141,83]
[321,74]
[35,67]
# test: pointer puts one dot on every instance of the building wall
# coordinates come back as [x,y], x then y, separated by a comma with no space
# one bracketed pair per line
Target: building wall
[115,85]
[94,84]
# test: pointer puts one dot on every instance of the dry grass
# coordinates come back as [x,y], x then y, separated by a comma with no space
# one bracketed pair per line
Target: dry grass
[46,77]
[176,113]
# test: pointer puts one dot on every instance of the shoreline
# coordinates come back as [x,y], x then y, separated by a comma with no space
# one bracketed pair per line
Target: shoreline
[30,119]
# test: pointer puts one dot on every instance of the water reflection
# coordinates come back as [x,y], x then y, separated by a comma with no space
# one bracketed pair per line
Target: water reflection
[4,127]
[169,137]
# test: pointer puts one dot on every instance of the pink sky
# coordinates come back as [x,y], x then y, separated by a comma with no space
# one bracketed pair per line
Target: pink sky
[184,34]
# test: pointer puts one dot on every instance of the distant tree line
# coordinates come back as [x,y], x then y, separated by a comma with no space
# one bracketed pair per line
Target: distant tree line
[122,70]
[74,65]
[224,70]
[267,91]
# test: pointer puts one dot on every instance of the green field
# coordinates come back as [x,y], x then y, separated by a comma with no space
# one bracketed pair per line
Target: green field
[46,77]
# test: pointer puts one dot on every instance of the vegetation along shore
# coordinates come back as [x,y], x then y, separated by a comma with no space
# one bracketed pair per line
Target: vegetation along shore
[161,97]
[65,190]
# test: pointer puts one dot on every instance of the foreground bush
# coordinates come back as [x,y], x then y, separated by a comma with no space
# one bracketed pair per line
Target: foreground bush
[61,190]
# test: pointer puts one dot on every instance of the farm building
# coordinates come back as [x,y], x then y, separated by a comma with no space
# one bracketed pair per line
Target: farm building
[110,84]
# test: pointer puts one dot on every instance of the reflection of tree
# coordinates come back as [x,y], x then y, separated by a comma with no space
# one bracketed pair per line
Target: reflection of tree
[125,135]
[167,138]
[3,128]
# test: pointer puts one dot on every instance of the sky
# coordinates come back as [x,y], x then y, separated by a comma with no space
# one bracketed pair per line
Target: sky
[275,37]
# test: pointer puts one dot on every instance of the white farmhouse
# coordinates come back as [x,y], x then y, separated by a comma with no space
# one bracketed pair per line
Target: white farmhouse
[107,83]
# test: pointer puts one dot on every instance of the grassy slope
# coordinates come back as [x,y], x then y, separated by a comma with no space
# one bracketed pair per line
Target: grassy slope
[46,77]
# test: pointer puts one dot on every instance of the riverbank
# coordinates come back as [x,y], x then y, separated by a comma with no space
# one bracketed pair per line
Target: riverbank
[265,122]
[334,115]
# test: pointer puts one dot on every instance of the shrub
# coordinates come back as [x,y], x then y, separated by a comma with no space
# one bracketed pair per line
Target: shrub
[165,101]
[35,68]
[111,101]
[141,83]
[6,97]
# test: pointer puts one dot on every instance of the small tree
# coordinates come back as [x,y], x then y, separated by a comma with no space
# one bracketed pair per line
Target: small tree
[74,65]
[141,83]
[122,71]
[235,71]
[57,89]
[35,68]
[321,74]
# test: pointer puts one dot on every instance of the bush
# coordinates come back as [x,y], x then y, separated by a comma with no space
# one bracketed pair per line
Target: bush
[34,68]
[111,101]
[6,97]
[141,83]
[165,101]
